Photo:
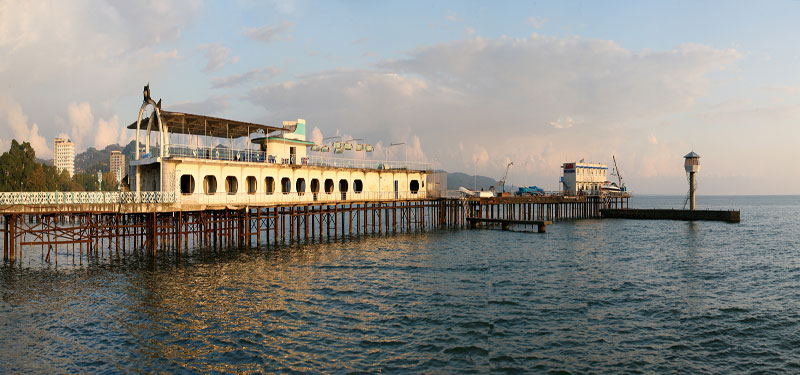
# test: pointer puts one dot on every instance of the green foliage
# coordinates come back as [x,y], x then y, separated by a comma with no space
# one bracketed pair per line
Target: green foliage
[19,171]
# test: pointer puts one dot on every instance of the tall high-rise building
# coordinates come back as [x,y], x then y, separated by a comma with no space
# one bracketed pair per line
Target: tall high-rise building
[64,155]
[117,164]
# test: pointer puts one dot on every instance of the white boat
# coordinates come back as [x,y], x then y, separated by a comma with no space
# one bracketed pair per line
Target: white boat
[471,193]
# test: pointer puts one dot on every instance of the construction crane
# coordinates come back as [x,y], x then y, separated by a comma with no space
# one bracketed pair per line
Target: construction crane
[503,181]
[616,173]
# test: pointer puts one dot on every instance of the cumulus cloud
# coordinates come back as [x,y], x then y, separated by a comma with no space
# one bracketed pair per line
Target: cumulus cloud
[251,76]
[81,122]
[565,122]
[16,121]
[268,34]
[216,55]
[316,136]
[109,132]
[537,22]
[209,106]
[518,99]
[93,52]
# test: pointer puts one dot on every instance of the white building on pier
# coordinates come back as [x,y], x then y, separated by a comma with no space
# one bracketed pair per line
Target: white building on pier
[585,178]
[213,161]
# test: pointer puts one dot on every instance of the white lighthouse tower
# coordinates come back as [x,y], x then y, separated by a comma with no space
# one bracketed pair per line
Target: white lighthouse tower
[692,166]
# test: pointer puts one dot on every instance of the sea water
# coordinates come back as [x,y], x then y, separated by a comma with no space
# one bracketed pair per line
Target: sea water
[589,296]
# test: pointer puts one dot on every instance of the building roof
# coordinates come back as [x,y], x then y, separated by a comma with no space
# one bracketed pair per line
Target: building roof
[692,155]
[187,123]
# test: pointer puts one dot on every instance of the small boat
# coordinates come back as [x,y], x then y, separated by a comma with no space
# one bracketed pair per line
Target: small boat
[471,193]
[611,187]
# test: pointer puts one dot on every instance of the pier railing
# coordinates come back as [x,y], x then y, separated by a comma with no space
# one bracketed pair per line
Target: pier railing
[295,197]
[85,197]
[256,156]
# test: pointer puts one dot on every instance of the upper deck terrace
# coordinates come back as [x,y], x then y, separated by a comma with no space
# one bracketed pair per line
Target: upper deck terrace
[224,154]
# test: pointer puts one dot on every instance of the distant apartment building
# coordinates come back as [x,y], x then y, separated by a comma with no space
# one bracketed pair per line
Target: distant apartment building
[64,155]
[117,164]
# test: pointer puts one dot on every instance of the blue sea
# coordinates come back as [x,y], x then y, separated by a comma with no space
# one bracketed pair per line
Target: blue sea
[589,296]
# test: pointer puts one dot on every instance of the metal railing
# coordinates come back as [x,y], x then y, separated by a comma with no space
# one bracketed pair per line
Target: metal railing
[327,161]
[85,197]
[256,156]
[219,153]
[261,198]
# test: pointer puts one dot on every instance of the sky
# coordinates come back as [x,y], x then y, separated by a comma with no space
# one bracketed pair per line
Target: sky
[469,86]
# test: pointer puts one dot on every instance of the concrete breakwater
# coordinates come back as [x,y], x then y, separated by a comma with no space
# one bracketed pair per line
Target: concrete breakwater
[731,216]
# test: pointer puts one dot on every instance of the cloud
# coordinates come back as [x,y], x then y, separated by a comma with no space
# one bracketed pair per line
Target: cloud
[209,106]
[316,136]
[217,56]
[268,34]
[251,76]
[537,23]
[108,132]
[511,97]
[94,52]
[81,121]
[565,122]
[16,121]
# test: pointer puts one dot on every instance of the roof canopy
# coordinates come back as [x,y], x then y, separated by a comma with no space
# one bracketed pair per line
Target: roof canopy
[187,123]
[691,155]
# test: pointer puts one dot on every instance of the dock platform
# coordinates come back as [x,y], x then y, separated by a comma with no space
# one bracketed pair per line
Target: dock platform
[731,216]
[505,224]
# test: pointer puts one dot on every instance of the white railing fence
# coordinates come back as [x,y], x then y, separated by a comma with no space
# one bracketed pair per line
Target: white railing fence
[220,198]
[295,197]
[85,197]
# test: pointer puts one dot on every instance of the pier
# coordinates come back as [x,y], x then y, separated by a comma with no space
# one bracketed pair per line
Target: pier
[730,216]
[91,230]
[202,182]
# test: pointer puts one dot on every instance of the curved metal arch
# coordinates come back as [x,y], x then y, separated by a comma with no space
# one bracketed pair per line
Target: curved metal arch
[162,129]
[148,102]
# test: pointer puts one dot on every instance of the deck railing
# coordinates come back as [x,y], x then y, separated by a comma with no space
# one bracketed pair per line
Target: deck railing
[62,198]
[256,156]
[295,197]
[328,161]
[85,197]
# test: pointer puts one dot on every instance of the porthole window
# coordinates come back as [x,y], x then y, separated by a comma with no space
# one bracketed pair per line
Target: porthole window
[231,185]
[414,186]
[358,186]
[300,186]
[269,185]
[251,185]
[187,184]
[315,186]
[286,185]
[329,186]
[210,185]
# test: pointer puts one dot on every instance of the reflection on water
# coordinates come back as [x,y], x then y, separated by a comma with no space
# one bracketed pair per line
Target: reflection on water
[601,296]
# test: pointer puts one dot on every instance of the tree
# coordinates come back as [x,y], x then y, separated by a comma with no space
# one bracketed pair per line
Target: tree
[18,166]
[109,181]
